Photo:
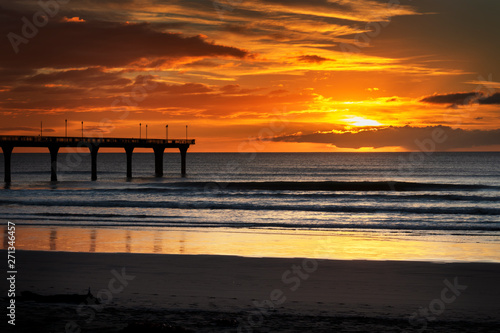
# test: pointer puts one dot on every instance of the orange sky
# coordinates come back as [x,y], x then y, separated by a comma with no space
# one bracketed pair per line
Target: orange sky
[256,75]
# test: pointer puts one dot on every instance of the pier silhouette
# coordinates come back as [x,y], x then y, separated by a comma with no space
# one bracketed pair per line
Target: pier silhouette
[53,143]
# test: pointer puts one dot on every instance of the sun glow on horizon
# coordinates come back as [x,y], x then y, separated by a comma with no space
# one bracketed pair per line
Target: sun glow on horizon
[362,122]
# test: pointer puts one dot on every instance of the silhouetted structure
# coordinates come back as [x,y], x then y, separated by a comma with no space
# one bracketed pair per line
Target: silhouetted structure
[8,143]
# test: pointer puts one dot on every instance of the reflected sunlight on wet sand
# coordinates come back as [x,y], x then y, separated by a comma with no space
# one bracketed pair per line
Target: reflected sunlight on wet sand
[259,243]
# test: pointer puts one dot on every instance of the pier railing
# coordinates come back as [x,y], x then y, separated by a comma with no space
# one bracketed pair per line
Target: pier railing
[73,140]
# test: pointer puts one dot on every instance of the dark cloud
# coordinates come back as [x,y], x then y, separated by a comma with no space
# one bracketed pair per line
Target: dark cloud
[264,32]
[438,138]
[10,75]
[170,25]
[97,129]
[203,63]
[90,44]
[47,90]
[146,85]
[238,29]
[312,58]
[236,89]
[493,99]
[454,98]
[24,129]
[187,88]
[81,77]
[230,88]
[96,10]
[278,92]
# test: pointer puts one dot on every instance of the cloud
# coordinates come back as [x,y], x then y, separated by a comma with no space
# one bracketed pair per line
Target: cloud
[202,63]
[440,138]
[271,32]
[238,29]
[99,129]
[312,59]
[105,44]
[93,76]
[278,92]
[493,99]
[454,98]
[73,19]
[187,88]
[484,83]
[49,89]
[10,75]
[233,89]
[463,98]
[25,129]
[354,10]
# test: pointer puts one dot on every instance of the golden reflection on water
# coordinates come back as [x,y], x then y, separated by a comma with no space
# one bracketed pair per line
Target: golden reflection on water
[53,239]
[272,243]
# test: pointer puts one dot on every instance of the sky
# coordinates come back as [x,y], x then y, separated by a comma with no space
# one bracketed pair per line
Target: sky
[256,75]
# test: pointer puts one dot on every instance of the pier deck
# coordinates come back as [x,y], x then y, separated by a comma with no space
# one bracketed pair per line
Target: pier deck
[54,143]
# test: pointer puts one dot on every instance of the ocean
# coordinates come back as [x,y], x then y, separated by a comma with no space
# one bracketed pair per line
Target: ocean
[448,198]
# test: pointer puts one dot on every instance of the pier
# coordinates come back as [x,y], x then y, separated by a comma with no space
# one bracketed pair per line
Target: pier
[53,143]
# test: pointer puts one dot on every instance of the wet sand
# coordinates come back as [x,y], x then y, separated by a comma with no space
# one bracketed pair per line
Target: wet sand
[201,293]
[333,245]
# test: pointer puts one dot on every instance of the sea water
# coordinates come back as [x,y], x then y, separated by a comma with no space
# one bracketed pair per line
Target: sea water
[451,197]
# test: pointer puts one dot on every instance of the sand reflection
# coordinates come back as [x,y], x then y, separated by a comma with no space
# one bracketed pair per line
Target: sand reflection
[328,245]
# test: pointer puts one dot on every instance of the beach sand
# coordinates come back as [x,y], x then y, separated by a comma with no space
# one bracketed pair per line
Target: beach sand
[206,293]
